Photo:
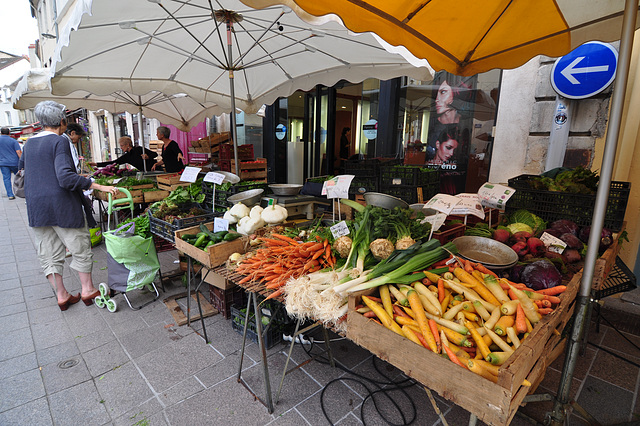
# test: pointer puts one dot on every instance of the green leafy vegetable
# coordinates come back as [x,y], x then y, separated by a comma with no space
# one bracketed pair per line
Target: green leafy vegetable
[534,222]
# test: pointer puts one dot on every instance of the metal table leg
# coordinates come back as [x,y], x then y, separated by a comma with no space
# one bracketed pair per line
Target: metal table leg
[263,351]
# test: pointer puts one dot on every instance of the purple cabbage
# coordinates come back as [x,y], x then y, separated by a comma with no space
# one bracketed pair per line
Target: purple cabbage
[606,238]
[540,274]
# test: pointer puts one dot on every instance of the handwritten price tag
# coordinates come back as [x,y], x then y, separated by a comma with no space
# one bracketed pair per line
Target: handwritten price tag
[220,224]
[190,174]
[339,229]
[554,244]
[214,177]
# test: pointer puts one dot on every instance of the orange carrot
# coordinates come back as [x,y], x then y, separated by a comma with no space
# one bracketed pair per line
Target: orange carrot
[545,311]
[553,291]
[275,294]
[520,324]
[327,253]
[452,356]
[285,238]
[467,266]
[436,334]
[370,314]
[325,243]
[420,337]
[318,253]
[552,299]
[480,267]
[399,312]
[440,290]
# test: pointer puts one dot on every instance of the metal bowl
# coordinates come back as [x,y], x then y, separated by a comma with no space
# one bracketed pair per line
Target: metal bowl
[383,200]
[248,198]
[285,189]
[229,177]
[491,253]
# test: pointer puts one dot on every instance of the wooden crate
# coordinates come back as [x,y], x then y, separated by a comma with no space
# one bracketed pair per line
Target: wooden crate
[492,403]
[136,194]
[251,170]
[172,187]
[605,263]
[153,196]
[216,254]
[169,179]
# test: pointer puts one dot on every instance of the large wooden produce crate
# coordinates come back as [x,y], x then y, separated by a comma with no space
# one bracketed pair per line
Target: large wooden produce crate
[605,263]
[136,193]
[153,196]
[170,181]
[249,170]
[492,403]
[216,254]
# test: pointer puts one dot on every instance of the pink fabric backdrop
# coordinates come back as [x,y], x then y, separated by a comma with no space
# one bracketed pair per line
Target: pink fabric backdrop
[184,139]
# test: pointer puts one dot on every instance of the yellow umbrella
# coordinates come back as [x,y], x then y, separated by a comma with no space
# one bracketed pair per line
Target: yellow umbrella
[468,37]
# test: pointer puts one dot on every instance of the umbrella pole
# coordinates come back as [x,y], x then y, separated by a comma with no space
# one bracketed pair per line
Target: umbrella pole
[602,195]
[232,115]
[141,133]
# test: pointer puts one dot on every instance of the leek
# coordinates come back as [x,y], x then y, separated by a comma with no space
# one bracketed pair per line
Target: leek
[417,263]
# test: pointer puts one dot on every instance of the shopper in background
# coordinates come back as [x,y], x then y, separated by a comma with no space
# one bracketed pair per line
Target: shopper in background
[53,192]
[10,153]
[74,133]
[134,155]
[172,157]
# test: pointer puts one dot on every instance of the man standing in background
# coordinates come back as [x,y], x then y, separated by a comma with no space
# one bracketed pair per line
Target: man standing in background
[9,156]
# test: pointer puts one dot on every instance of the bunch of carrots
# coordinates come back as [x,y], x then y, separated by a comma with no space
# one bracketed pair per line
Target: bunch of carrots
[283,257]
[468,314]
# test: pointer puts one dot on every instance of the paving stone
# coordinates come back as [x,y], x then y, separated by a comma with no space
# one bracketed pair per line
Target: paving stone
[20,389]
[91,341]
[32,279]
[105,358]
[12,309]
[37,291]
[181,391]
[17,365]
[51,334]
[10,276]
[214,406]
[290,418]
[78,405]
[149,412]
[111,384]
[339,401]
[224,369]
[14,343]
[349,420]
[14,322]
[65,374]
[180,359]
[12,296]
[615,370]
[32,413]
[148,339]
[85,320]
[9,283]
[44,315]
[56,354]
[608,403]
[42,303]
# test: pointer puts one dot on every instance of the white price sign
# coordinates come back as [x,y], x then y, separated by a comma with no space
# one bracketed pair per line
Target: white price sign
[117,180]
[339,229]
[220,224]
[554,244]
[443,203]
[469,204]
[494,195]
[190,174]
[436,220]
[214,177]
[338,187]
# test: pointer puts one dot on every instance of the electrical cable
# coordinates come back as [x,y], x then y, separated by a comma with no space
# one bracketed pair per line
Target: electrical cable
[376,389]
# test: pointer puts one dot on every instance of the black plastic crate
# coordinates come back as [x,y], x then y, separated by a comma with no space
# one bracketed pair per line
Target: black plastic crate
[406,176]
[361,185]
[553,205]
[271,332]
[167,230]
[410,194]
[223,299]
[221,196]
[620,279]
[162,244]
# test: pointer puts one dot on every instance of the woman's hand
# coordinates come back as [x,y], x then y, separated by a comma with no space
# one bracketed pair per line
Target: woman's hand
[105,188]
[180,157]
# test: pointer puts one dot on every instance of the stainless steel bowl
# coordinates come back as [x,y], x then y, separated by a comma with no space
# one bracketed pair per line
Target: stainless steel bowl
[383,200]
[248,198]
[229,177]
[491,253]
[285,189]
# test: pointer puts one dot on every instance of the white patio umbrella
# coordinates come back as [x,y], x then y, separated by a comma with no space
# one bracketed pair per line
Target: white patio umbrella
[214,51]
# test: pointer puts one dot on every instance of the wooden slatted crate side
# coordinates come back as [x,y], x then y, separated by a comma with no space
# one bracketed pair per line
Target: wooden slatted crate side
[216,254]
[493,403]
[152,196]
[605,263]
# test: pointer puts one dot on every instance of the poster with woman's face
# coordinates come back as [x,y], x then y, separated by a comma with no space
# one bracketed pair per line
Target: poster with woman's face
[449,129]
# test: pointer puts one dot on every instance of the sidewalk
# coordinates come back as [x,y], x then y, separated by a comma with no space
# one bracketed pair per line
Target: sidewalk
[87,366]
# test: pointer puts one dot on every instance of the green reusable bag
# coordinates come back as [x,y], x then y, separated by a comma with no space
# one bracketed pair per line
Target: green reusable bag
[136,261]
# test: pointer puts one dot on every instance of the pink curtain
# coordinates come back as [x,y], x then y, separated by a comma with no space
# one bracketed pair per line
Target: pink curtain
[184,139]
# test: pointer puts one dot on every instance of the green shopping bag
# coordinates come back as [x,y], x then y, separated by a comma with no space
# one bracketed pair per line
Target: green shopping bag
[132,261]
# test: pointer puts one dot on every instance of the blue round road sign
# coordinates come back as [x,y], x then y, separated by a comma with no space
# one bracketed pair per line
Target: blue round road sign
[586,71]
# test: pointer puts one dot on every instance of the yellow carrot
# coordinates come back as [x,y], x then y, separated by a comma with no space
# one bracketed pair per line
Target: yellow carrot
[477,285]
[432,298]
[386,299]
[431,276]
[501,326]
[498,358]
[481,310]
[455,337]
[445,302]
[498,341]
[385,319]
[405,321]
[421,319]
[510,307]
[530,308]
[400,297]
[511,332]
[493,319]
[494,287]
[453,311]
[471,316]
[479,370]
[409,334]
[493,369]
[482,346]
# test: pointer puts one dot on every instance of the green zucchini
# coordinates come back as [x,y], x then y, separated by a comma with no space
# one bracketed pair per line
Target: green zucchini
[201,239]
[231,236]
[189,236]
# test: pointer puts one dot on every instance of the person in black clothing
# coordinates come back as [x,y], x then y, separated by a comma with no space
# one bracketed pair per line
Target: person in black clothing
[344,143]
[172,157]
[133,155]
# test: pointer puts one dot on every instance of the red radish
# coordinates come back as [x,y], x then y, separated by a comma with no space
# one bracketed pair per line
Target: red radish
[521,236]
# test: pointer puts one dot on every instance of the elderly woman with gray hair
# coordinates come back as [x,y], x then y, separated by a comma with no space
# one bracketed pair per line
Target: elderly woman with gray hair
[55,204]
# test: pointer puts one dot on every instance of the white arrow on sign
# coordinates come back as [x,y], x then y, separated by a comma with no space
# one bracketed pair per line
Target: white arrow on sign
[570,70]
